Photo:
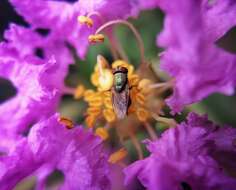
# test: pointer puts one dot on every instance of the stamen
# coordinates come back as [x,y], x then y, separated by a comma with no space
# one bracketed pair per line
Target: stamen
[160,85]
[105,79]
[136,34]
[136,145]
[67,122]
[96,38]
[79,92]
[168,121]
[118,156]
[85,20]
[102,132]
[150,131]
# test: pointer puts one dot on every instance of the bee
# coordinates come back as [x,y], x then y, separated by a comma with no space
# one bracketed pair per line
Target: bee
[120,92]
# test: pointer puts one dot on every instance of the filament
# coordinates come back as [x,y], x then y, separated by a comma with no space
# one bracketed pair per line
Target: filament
[150,131]
[137,145]
[136,34]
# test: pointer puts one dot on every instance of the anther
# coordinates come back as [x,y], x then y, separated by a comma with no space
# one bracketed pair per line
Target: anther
[102,132]
[85,20]
[96,38]
[118,156]
[67,122]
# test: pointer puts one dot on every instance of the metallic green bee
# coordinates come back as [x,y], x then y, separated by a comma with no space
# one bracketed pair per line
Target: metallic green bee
[120,92]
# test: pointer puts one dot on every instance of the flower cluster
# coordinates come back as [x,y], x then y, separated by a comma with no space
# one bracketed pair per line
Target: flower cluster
[36,141]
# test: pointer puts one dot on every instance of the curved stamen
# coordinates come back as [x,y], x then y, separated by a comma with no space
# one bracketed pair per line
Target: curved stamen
[150,131]
[136,34]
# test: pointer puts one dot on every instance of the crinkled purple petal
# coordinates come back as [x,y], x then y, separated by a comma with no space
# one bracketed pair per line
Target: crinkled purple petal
[185,156]
[77,153]
[61,17]
[191,57]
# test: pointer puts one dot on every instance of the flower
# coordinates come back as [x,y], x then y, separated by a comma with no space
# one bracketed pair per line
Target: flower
[191,56]
[28,42]
[38,83]
[61,17]
[50,146]
[185,158]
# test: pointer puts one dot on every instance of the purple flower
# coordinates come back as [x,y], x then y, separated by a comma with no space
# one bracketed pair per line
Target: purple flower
[191,57]
[191,156]
[50,146]
[61,17]
[38,83]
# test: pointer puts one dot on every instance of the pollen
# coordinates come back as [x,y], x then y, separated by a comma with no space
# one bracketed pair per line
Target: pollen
[102,132]
[105,81]
[118,156]
[142,114]
[85,20]
[79,92]
[67,122]
[143,86]
[90,120]
[123,63]
[109,115]
[96,38]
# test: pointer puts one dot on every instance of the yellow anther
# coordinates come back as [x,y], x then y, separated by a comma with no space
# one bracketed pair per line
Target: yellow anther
[142,114]
[133,92]
[133,80]
[102,132]
[95,111]
[67,122]
[143,86]
[140,98]
[79,92]
[109,115]
[131,109]
[123,63]
[105,80]
[90,120]
[107,94]
[85,20]
[108,102]
[88,95]
[94,78]
[95,101]
[101,63]
[96,38]
[118,156]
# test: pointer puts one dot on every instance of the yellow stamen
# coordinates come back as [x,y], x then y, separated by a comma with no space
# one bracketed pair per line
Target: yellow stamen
[95,111]
[79,92]
[95,101]
[144,86]
[85,20]
[94,78]
[89,94]
[142,114]
[133,80]
[118,156]
[102,132]
[67,122]
[140,98]
[90,120]
[108,102]
[96,38]
[105,80]
[109,115]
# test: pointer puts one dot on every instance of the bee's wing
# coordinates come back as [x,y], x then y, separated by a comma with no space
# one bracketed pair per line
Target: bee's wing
[120,102]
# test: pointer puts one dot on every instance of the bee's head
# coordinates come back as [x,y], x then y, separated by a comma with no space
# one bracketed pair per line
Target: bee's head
[120,78]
